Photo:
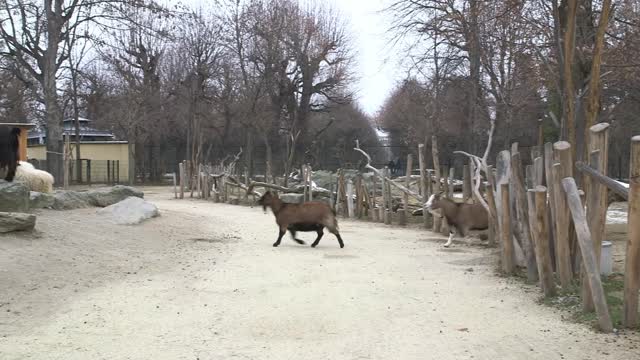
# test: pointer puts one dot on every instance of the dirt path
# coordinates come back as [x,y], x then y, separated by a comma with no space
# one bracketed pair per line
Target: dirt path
[203,282]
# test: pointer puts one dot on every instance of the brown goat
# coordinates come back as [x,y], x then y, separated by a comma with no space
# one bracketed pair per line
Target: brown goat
[309,216]
[461,217]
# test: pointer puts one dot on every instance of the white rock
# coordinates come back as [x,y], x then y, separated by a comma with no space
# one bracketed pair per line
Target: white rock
[130,211]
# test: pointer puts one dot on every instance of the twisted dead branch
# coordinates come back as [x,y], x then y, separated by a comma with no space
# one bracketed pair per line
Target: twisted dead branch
[413,194]
[480,165]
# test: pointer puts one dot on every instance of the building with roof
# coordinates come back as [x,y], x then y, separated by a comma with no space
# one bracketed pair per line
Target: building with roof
[104,158]
[87,133]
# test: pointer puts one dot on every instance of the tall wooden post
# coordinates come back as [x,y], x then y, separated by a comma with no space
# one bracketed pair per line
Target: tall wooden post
[407,184]
[543,258]
[389,204]
[508,256]
[466,183]
[632,262]
[594,206]
[493,209]
[181,169]
[374,191]
[65,173]
[598,142]
[350,198]
[423,185]
[562,154]
[175,186]
[548,165]
[588,256]
[359,197]
[437,220]
[520,194]
[451,178]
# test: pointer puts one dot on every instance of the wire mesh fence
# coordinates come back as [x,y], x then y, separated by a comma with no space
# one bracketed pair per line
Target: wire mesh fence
[91,171]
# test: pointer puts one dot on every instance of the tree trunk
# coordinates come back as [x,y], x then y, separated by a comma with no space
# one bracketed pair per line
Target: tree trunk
[49,88]
[76,116]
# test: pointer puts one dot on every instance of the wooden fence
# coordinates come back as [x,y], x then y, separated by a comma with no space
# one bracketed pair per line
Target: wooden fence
[535,210]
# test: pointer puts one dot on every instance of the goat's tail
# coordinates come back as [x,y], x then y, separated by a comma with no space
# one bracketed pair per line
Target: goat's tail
[331,222]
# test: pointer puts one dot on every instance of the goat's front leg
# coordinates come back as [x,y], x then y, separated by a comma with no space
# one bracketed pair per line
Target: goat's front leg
[320,233]
[451,234]
[280,234]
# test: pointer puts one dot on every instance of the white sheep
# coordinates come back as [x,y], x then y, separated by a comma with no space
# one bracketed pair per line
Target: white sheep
[36,180]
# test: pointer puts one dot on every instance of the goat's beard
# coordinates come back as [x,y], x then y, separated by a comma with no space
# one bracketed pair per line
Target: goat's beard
[264,208]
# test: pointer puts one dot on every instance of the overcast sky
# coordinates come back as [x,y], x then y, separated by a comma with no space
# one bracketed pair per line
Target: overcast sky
[377,67]
[377,63]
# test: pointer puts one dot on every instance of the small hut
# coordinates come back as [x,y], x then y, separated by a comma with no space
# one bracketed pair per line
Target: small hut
[23,137]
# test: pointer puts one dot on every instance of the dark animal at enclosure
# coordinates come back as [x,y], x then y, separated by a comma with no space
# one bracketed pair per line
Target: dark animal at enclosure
[9,152]
[392,167]
[302,216]
[293,228]
[460,217]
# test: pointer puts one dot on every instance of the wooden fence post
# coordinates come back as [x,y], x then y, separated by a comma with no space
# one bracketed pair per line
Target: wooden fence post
[466,183]
[543,257]
[437,220]
[452,171]
[632,259]
[108,172]
[374,211]
[562,153]
[89,172]
[493,209]
[423,185]
[359,197]
[523,216]
[548,165]
[508,256]
[593,205]
[181,170]
[350,198]
[407,184]
[198,182]
[175,186]
[389,204]
[588,257]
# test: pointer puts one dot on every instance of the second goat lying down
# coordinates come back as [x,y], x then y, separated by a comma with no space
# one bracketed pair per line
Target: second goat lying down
[460,217]
[309,216]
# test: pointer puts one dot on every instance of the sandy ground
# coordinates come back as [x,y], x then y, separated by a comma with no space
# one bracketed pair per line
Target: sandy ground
[203,282]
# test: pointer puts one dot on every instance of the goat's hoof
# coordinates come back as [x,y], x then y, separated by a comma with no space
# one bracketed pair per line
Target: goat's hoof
[447,245]
[341,246]
[314,245]
[275,245]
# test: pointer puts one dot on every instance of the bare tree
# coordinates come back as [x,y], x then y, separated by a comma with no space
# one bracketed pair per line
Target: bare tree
[40,37]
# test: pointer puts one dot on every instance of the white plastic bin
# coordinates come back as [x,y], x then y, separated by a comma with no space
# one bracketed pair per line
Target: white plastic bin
[606,258]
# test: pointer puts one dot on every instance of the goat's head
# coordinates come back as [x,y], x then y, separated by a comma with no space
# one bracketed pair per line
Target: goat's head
[266,200]
[434,202]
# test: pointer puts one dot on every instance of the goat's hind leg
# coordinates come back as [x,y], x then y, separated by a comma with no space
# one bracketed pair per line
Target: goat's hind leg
[320,234]
[337,234]
[293,236]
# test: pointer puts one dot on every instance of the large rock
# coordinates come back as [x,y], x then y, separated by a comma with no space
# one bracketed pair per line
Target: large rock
[69,200]
[132,210]
[12,221]
[291,198]
[324,178]
[112,195]
[38,200]
[14,197]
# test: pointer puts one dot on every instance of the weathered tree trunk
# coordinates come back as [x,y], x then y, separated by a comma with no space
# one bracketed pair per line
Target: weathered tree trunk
[49,88]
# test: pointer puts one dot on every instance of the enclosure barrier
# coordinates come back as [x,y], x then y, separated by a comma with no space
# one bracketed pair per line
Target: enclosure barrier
[535,210]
